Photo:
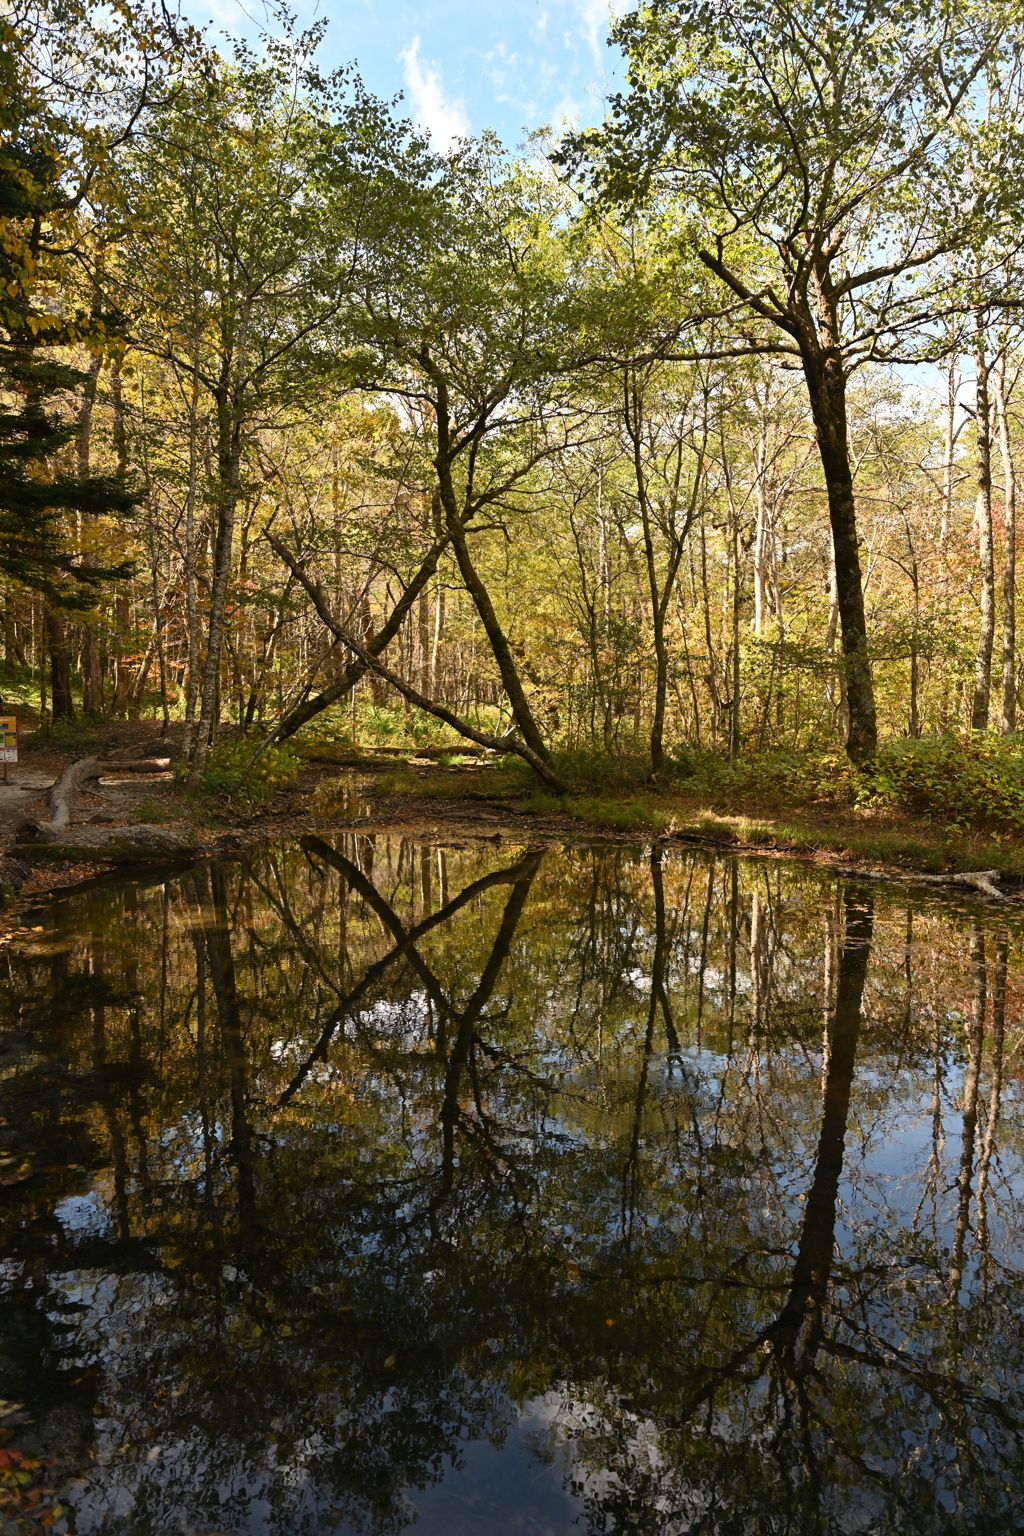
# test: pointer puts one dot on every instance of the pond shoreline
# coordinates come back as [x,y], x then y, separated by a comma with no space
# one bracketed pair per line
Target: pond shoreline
[38,875]
[377,792]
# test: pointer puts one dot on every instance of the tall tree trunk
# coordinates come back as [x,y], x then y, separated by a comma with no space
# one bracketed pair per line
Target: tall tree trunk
[92,671]
[983,524]
[737,603]
[712,672]
[423,642]
[229,460]
[826,387]
[60,665]
[762,532]
[813,323]
[634,427]
[949,445]
[1010,551]
[435,643]
[915,669]
[39,647]
[191,603]
[13,649]
[122,671]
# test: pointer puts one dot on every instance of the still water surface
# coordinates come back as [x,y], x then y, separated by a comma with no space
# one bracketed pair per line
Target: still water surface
[481,1190]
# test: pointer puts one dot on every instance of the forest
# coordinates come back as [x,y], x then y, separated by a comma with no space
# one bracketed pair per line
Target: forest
[509,1020]
[682,441]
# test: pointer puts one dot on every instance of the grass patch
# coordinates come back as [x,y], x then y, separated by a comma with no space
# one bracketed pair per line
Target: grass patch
[425,785]
[620,816]
[156,812]
[904,810]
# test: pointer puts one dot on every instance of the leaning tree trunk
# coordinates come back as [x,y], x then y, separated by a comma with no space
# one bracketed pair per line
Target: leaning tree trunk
[351,674]
[983,520]
[500,648]
[826,387]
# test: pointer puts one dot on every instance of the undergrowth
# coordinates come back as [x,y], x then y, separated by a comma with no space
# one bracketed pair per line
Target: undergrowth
[231,772]
[82,735]
[963,793]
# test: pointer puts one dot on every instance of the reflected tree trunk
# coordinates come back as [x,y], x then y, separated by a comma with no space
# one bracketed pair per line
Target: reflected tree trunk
[220,963]
[466,1021]
[975,1042]
[994,1093]
[797,1330]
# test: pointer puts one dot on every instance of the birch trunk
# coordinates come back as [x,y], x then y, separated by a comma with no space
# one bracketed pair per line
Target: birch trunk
[1010,550]
[983,524]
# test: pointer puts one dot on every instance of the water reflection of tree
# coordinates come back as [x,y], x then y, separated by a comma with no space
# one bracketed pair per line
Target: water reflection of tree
[390,1166]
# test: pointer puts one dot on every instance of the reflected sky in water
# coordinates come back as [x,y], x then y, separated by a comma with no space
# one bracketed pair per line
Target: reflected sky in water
[377,1186]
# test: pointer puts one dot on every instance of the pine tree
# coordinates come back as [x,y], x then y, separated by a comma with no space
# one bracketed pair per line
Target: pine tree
[36,491]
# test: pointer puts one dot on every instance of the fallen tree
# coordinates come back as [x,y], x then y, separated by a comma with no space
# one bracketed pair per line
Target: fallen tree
[981,879]
[122,845]
[56,835]
[61,799]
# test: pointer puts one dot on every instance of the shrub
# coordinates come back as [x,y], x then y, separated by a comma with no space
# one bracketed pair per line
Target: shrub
[229,770]
[774,775]
[961,779]
[602,770]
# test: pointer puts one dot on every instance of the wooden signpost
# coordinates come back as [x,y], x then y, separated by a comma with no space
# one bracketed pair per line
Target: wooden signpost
[9,739]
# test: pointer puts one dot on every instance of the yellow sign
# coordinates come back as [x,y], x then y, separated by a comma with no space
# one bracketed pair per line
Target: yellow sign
[8,739]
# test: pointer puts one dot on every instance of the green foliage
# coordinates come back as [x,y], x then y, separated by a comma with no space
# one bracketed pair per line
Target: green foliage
[539,803]
[230,771]
[603,770]
[36,489]
[961,780]
[382,725]
[773,775]
[632,814]
[374,725]
[619,815]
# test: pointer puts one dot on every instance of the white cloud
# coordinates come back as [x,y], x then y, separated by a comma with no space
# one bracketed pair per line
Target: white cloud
[594,16]
[443,119]
[593,19]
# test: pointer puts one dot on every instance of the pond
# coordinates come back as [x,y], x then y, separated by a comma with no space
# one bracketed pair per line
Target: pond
[377,1184]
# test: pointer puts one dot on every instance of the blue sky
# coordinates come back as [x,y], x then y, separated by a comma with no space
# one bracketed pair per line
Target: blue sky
[463,65]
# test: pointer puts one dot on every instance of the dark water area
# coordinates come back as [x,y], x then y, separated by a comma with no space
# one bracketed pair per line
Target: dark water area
[379,1186]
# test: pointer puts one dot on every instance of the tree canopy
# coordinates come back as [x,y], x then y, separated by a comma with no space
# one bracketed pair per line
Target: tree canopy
[528,422]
